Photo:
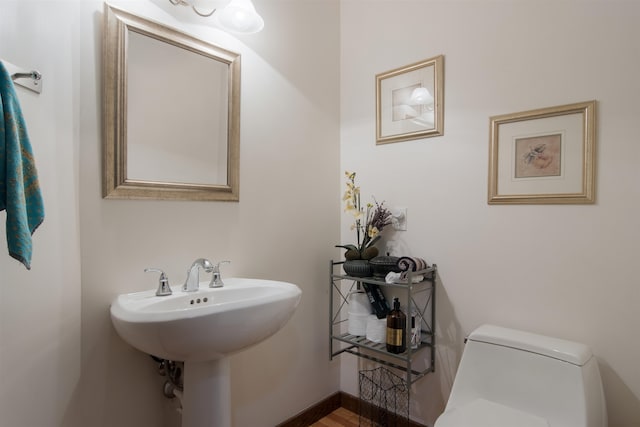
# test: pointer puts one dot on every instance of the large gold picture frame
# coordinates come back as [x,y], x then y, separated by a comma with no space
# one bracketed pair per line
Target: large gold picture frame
[543,156]
[410,102]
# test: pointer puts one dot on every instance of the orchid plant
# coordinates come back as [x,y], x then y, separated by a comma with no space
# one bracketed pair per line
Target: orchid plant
[368,222]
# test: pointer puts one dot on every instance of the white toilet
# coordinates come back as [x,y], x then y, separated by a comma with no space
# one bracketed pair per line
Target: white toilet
[510,378]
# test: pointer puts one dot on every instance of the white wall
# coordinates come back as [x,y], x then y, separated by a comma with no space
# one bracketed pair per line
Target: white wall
[284,227]
[40,308]
[566,271]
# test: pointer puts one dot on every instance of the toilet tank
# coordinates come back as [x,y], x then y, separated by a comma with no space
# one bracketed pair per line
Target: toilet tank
[551,378]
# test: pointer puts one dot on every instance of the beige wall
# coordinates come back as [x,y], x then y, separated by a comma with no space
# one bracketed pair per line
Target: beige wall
[40,309]
[567,271]
[283,228]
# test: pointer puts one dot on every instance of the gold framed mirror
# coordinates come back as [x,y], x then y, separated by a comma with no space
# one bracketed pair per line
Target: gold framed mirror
[171,113]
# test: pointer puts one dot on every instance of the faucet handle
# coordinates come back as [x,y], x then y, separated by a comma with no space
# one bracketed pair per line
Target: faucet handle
[216,279]
[163,283]
[216,266]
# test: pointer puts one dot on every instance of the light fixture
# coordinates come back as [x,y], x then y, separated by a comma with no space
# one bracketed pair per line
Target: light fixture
[238,16]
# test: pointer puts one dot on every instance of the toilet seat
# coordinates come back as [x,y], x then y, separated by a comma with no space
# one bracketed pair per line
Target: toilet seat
[484,413]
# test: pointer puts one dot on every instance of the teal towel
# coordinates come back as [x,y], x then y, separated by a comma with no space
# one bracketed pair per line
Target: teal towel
[19,188]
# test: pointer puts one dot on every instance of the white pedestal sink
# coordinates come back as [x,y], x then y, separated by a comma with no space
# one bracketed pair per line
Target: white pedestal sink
[202,328]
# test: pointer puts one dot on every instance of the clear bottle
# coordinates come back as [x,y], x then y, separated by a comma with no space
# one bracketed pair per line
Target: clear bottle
[396,327]
[416,329]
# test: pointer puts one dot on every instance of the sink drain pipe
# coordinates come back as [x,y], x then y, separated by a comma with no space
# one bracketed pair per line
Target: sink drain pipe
[173,387]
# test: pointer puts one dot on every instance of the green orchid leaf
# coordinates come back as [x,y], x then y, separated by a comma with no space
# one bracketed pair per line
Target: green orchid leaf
[348,247]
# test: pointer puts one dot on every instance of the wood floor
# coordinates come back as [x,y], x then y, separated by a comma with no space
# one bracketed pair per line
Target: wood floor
[341,417]
[338,410]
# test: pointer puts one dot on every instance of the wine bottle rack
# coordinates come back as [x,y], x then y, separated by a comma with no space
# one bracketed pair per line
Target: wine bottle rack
[420,296]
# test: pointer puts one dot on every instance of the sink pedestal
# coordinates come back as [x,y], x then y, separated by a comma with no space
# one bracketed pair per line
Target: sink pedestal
[206,398]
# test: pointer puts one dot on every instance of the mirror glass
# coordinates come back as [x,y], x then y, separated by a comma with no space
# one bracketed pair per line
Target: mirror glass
[171,113]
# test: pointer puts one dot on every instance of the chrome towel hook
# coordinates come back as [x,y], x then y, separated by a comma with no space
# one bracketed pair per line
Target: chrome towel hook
[34,75]
[31,80]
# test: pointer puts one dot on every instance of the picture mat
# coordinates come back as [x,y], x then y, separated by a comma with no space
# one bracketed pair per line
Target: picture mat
[571,179]
[423,77]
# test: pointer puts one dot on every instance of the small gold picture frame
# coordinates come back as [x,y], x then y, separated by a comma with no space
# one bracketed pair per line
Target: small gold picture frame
[410,102]
[544,156]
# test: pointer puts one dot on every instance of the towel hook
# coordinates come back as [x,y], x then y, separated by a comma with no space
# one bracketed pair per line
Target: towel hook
[34,83]
[33,75]
[31,80]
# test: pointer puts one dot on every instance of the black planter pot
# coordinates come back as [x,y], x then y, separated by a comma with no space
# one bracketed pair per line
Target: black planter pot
[357,268]
[384,264]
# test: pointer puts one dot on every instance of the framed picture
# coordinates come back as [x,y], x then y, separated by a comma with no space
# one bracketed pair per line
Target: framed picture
[409,102]
[543,156]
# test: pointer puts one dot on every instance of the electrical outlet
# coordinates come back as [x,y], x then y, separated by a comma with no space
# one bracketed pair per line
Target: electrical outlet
[399,219]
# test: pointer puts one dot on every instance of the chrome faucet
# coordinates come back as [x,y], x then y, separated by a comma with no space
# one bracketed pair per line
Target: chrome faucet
[216,280]
[193,274]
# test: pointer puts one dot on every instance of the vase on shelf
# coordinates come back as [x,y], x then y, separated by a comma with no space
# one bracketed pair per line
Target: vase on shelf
[357,268]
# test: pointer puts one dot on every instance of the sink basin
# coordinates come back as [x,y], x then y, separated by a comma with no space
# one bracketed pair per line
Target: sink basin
[207,324]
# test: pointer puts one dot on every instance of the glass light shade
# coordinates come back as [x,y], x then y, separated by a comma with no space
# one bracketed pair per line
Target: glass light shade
[421,96]
[204,4]
[240,16]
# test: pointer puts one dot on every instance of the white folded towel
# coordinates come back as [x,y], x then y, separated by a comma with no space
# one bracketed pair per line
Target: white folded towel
[392,277]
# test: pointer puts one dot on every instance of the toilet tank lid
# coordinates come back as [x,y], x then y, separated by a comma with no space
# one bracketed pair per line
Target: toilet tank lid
[568,351]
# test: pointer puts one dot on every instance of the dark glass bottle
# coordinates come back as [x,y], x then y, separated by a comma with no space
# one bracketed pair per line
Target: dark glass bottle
[396,327]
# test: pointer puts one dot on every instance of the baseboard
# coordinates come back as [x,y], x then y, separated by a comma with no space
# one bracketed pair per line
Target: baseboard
[315,412]
[325,407]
